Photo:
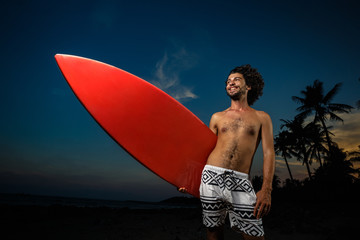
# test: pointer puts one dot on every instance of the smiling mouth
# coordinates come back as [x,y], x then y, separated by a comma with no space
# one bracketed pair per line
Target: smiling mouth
[233,88]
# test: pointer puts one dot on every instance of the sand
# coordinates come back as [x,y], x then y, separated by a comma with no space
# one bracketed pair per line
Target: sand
[286,221]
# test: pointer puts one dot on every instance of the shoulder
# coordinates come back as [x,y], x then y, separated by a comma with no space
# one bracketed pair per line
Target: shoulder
[218,115]
[215,118]
[263,116]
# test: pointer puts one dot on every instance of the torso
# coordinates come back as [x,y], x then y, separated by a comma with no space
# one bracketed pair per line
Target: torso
[239,134]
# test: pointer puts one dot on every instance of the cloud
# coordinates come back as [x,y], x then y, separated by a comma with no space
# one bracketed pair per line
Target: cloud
[281,163]
[167,74]
[297,168]
[347,133]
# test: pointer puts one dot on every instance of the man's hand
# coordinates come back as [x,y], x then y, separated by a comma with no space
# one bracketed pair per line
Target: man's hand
[182,190]
[263,203]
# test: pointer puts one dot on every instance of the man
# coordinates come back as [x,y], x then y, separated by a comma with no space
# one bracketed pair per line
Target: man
[225,185]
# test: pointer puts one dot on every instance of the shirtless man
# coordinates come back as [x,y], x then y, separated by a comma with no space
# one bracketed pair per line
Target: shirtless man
[225,185]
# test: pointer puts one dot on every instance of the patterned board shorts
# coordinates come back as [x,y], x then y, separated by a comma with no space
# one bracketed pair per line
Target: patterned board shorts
[222,192]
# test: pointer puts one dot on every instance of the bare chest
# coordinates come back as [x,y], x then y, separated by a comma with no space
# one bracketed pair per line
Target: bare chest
[239,125]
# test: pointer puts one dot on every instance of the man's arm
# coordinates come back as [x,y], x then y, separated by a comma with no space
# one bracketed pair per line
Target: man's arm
[213,123]
[263,202]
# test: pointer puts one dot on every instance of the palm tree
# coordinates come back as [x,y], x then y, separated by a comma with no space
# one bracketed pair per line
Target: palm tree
[339,170]
[300,140]
[317,141]
[314,101]
[354,156]
[284,148]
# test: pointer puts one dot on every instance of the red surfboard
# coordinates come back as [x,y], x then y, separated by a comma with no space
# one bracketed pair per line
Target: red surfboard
[151,126]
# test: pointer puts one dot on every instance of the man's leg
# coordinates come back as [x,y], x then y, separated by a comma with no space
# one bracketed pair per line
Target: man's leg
[215,233]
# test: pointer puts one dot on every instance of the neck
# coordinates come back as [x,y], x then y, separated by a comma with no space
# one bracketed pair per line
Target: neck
[240,104]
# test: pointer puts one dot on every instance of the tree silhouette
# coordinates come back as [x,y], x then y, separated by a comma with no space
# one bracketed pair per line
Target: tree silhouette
[314,101]
[316,142]
[339,172]
[354,157]
[299,137]
[284,148]
[258,180]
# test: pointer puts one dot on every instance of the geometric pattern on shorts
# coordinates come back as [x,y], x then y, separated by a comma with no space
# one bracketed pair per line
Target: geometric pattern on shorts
[245,221]
[240,215]
[226,180]
[215,210]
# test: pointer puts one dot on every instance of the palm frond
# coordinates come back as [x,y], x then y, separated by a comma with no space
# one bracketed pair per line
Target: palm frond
[330,95]
[298,100]
[340,108]
[304,114]
[335,117]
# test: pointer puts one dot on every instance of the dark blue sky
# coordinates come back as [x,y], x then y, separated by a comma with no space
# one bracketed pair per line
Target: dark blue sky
[51,145]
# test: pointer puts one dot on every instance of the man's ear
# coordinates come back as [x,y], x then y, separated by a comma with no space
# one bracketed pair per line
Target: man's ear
[248,87]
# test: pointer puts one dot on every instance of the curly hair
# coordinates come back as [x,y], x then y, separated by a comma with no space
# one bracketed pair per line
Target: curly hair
[253,79]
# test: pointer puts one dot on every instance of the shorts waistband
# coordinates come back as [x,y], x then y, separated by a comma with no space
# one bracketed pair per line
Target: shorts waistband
[221,170]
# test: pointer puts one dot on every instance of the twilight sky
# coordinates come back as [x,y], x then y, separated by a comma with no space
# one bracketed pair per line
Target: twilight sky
[50,145]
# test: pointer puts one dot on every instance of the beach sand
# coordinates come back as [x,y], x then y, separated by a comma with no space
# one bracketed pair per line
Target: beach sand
[68,222]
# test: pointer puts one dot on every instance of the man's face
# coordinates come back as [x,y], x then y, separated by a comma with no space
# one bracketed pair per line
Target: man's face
[236,86]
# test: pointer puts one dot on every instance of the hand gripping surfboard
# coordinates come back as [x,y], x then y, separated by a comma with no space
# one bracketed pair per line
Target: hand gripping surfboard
[151,126]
